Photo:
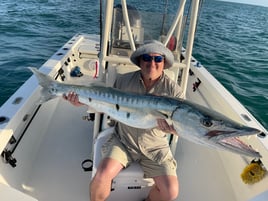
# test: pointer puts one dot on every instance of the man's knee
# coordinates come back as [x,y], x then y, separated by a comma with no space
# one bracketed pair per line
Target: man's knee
[107,170]
[172,193]
[168,187]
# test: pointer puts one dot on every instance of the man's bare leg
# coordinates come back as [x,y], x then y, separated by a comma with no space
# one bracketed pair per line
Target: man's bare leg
[100,186]
[166,188]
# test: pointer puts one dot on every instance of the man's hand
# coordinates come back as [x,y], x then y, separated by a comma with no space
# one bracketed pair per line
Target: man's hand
[72,98]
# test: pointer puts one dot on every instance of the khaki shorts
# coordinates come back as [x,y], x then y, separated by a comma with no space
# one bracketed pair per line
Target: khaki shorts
[114,149]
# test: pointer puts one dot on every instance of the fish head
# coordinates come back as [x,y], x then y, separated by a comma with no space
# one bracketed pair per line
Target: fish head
[210,128]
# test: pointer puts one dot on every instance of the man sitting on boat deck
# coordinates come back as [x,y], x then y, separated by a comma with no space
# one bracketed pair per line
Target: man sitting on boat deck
[149,147]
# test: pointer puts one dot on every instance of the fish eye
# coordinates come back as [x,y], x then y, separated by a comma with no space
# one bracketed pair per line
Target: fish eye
[53,90]
[206,122]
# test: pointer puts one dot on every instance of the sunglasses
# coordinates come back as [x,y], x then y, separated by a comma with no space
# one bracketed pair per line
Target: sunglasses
[149,58]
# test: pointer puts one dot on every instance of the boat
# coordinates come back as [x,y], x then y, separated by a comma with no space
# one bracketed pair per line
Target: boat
[50,150]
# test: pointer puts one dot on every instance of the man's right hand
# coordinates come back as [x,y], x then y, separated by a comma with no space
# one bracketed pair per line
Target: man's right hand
[73,98]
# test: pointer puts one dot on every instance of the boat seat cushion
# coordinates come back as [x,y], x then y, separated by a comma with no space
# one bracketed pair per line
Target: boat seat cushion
[134,170]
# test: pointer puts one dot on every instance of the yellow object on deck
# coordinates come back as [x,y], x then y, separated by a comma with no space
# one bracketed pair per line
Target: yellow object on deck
[253,172]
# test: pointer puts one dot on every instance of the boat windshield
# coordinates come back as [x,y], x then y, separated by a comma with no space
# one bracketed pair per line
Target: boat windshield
[145,24]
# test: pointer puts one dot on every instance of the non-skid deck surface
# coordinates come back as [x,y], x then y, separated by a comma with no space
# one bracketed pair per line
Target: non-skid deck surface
[57,174]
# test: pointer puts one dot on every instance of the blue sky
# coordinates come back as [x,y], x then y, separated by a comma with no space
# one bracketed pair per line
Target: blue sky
[254,2]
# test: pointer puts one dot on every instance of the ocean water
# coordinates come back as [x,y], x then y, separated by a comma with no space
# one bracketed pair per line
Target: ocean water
[231,42]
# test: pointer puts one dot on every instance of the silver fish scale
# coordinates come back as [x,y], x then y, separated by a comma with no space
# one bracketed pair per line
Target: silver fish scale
[115,96]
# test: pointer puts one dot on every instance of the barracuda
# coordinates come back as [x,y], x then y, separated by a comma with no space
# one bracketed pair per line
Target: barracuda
[191,121]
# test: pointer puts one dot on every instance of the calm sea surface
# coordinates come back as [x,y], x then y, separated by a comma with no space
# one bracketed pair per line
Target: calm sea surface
[231,41]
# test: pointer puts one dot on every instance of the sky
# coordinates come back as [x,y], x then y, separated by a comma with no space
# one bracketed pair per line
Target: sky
[254,2]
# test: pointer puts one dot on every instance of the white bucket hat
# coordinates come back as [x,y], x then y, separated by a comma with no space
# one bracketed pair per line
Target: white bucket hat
[153,46]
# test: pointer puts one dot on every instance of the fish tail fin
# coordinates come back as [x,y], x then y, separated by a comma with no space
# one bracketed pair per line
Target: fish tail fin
[46,82]
[43,79]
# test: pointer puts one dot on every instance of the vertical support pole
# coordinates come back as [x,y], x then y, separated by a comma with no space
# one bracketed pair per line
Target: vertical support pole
[126,20]
[104,51]
[106,35]
[179,15]
[189,46]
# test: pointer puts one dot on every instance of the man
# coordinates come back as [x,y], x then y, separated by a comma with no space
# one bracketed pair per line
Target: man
[149,147]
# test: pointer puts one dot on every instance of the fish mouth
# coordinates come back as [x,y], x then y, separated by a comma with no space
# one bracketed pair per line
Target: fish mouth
[229,140]
[238,146]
